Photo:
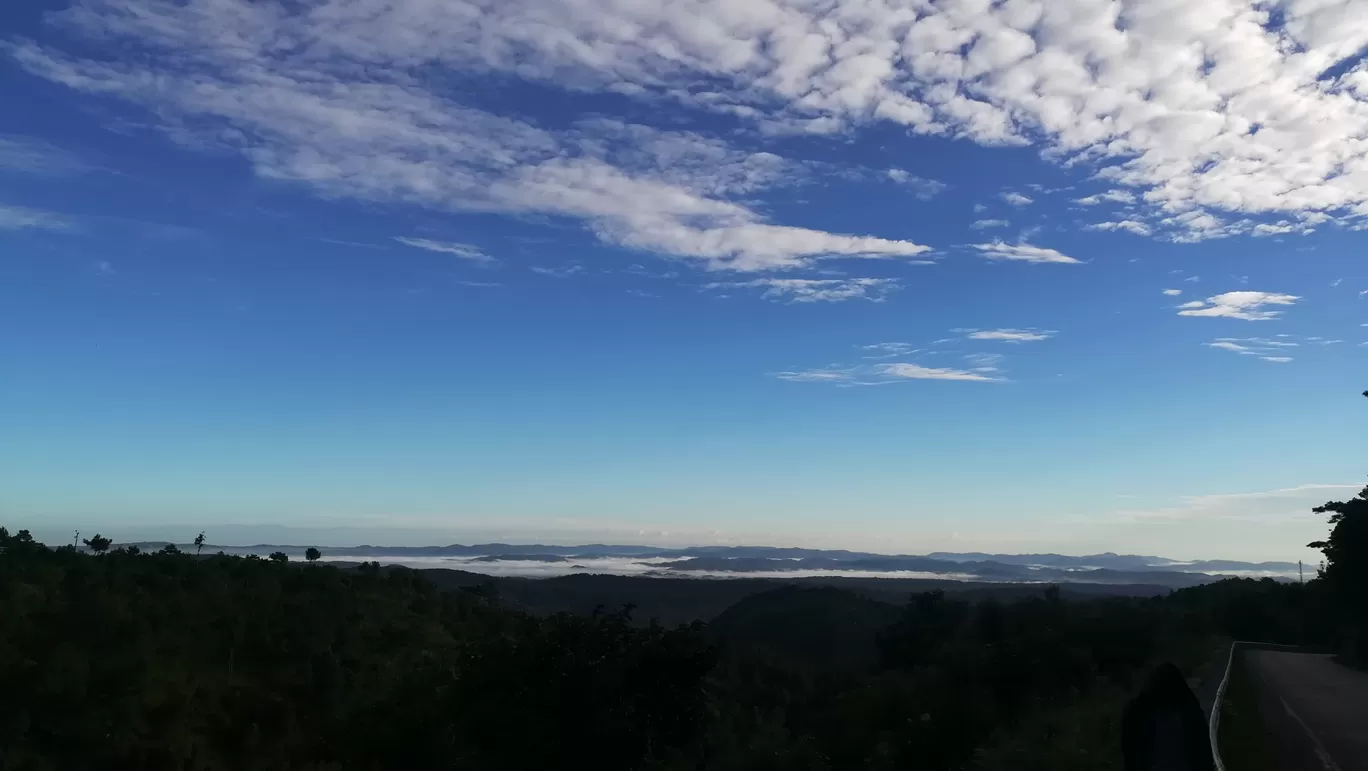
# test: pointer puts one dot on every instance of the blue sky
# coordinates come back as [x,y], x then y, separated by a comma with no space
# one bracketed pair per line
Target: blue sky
[911,276]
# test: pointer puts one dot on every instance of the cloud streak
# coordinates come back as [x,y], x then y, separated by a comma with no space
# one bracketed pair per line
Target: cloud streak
[1011,335]
[464,251]
[35,156]
[799,290]
[885,373]
[1245,305]
[338,110]
[20,218]
[999,250]
[1267,119]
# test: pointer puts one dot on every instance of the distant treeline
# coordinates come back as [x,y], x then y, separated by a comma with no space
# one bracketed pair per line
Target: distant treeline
[169,661]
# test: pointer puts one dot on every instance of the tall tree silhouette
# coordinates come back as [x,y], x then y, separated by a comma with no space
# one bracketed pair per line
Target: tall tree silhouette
[98,544]
[1346,566]
[199,543]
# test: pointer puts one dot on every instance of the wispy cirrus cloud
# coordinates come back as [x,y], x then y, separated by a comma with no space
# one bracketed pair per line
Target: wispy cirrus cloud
[1245,305]
[817,376]
[21,218]
[1268,120]
[1110,196]
[919,362]
[925,189]
[1277,349]
[999,250]
[986,224]
[464,251]
[1010,335]
[889,350]
[1270,506]
[881,374]
[338,112]
[562,271]
[36,156]
[1129,226]
[1266,350]
[806,290]
[906,371]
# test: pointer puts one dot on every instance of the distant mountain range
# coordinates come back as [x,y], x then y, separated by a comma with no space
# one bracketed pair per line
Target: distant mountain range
[1107,568]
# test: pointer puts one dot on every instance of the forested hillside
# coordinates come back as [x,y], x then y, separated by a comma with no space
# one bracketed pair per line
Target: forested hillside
[169,661]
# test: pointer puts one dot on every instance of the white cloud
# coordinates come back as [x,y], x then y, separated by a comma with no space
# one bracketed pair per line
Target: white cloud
[564,271]
[1213,520]
[35,156]
[802,290]
[1214,107]
[924,188]
[464,251]
[1130,226]
[1270,505]
[979,367]
[983,362]
[999,250]
[1173,292]
[20,218]
[1266,349]
[336,109]
[1196,225]
[1011,335]
[1017,199]
[816,376]
[1111,196]
[887,350]
[906,371]
[985,224]
[1273,229]
[1250,306]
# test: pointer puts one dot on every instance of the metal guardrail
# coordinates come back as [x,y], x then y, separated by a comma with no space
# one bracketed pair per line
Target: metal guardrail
[1214,723]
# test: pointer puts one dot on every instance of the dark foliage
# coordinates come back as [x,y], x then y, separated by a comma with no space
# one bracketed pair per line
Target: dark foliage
[235,663]
[1345,574]
[98,544]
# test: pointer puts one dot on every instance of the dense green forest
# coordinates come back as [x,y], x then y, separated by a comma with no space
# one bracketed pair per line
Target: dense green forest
[170,660]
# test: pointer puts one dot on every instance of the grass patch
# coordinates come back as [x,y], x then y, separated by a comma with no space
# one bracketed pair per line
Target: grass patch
[1243,737]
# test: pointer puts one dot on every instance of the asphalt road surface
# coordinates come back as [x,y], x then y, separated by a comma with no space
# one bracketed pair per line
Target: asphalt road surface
[1315,710]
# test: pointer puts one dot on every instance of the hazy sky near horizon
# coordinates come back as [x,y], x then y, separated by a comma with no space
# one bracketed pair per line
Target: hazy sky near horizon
[1072,276]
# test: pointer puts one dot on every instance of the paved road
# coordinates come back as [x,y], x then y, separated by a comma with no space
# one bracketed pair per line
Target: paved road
[1316,710]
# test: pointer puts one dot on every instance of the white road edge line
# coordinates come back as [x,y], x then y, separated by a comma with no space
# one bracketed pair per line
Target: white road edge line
[1325,759]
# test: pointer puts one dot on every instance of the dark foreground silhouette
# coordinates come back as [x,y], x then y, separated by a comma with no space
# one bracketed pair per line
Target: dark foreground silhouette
[169,661]
[1164,728]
